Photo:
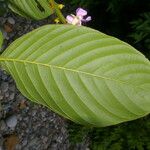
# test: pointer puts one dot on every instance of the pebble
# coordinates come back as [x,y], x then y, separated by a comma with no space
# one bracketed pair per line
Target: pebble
[12,87]
[2,125]
[1,142]
[3,20]
[1,148]
[5,35]
[1,97]
[4,86]
[24,142]
[11,96]
[11,121]
[11,20]
[4,77]
[7,94]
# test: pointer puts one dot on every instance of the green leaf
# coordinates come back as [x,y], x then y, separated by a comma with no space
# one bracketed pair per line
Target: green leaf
[35,9]
[1,39]
[80,73]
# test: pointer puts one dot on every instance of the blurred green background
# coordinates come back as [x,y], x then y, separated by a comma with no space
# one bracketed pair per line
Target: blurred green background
[128,20]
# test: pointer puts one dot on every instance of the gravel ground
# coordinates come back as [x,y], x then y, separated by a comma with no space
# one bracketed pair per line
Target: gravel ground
[25,125]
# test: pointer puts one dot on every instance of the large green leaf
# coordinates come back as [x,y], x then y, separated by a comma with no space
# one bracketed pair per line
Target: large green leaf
[36,9]
[80,73]
[1,39]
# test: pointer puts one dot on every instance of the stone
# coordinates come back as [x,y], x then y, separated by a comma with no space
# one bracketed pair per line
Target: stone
[2,125]
[1,148]
[24,142]
[11,121]
[7,94]
[11,96]
[4,86]
[11,20]
[1,97]
[12,88]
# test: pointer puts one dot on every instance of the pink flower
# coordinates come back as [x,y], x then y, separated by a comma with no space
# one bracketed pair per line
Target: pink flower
[79,18]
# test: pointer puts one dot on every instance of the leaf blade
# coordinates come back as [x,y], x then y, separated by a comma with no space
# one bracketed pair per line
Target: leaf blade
[31,9]
[80,60]
[1,39]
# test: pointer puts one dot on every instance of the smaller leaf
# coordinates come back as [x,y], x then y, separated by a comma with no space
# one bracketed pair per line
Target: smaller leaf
[35,9]
[1,39]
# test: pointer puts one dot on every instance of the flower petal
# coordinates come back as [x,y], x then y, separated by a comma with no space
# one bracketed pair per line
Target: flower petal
[69,19]
[81,12]
[89,18]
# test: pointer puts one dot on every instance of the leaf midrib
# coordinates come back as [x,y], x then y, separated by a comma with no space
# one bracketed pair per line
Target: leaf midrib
[66,69]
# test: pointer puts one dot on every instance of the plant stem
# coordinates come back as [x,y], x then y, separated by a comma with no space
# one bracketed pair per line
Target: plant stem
[58,12]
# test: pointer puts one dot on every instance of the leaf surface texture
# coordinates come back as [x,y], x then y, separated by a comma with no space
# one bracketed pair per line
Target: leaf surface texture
[80,73]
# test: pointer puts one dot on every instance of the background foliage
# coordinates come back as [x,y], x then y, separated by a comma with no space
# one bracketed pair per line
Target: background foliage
[3,7]
[127,136]
[128,20]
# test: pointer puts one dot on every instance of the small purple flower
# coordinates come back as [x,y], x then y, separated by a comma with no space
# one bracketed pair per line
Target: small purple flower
[81,17]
